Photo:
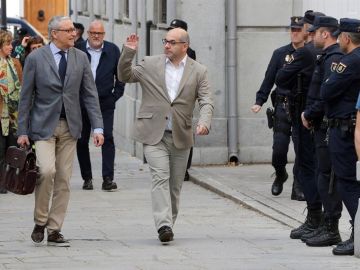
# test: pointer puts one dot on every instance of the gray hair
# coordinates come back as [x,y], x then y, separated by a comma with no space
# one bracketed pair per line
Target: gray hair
[54,23]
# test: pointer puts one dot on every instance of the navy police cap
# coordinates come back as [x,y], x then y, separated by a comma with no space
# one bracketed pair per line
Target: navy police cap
[323,21]
[177,24]
[349,25]
[310,16]
[296,22]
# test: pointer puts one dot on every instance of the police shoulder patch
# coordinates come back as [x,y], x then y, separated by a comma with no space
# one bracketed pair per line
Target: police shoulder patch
[289,58]
[340,68]
[333,66]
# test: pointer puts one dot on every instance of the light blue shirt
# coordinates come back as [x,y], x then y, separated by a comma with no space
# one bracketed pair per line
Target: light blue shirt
[95,57]
[57,56]
[55,51]
[358,103]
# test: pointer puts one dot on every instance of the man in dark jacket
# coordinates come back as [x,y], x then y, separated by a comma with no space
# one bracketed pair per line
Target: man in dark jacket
[281,124]
[104,57]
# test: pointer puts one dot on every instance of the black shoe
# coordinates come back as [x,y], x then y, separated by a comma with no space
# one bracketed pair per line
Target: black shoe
[296,192]
[57,239]
[108,184]
[346,247]
[312,234]
[187,176]
[312,222]
[3,190]
[327,237]
[37,235]
[165,234]
[88,185]
[277,186]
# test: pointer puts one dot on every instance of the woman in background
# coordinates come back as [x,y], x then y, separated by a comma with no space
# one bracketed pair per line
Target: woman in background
[10,85]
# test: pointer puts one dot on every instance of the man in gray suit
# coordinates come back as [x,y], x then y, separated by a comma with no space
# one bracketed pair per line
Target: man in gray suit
[49,114]
[171,83]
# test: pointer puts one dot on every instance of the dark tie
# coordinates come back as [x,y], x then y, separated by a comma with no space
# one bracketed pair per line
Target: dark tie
[62,72]
[62,66]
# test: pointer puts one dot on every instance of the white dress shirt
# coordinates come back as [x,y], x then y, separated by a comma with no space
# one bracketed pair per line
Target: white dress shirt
[95,57]
[173,75]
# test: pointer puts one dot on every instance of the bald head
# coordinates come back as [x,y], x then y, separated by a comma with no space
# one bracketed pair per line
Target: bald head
[180,34]
[176,45]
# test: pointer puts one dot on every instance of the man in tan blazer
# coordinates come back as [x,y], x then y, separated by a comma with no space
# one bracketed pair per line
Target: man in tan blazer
[171,84]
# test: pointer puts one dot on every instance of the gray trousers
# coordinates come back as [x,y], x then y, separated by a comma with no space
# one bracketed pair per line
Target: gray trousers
[167,166]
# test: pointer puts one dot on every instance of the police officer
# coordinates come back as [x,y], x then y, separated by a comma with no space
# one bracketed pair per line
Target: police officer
[281,125]
[313,118]
[293,80]
[176,23]
[340,92]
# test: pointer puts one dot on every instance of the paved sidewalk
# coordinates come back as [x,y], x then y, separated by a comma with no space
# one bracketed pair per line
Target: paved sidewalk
[250,185]
[115,230]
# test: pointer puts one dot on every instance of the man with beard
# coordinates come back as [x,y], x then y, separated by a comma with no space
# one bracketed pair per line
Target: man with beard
[313,118]
[340,92]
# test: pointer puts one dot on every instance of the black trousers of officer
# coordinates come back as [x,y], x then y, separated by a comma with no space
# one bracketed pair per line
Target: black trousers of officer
[331,202]
[343,159]
[107,149]
[281,138]
[306,164]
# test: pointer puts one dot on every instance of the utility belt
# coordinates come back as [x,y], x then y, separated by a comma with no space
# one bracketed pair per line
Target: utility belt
[322,124]
[348,123]
[281,99]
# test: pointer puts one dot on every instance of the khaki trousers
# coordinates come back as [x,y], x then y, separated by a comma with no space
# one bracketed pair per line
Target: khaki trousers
[55,159]
[167,166]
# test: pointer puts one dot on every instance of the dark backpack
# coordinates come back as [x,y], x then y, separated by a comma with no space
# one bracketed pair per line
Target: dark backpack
[20,172]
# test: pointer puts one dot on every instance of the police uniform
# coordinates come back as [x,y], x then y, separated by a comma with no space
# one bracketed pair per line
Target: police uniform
[314,113]
[293,81]
[340,92]
[281,124]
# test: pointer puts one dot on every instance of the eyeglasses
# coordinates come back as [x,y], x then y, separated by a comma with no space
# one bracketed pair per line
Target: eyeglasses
[69,31]
[96,33]
[171,42]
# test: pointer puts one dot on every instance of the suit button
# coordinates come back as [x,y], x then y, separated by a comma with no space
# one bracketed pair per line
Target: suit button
[171,104]
[167,118]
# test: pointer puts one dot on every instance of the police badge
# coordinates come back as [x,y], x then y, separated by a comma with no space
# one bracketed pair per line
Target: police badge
[340,68]
[289,58]
[333,66]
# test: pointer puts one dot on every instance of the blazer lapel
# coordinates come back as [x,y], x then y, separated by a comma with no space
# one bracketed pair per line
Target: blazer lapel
[70,64]
[50,58]
[161,67]
[187,72]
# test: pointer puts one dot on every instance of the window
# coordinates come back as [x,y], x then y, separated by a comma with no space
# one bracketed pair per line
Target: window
[122,9]
[85,6]
[160,11]
[126,9]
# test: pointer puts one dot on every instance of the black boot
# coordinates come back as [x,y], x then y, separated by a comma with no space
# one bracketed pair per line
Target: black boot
[312,222]
[328,237]
[297,193]
[277,186]
[346,247]
[312,234]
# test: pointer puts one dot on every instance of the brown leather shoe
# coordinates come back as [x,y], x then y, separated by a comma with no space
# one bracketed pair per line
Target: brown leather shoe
[57,239]
[37,235]
[165,234]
